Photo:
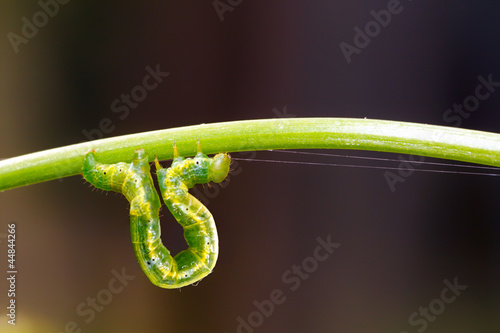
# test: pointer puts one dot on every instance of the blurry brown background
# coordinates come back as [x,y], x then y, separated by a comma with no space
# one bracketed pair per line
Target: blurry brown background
[396,247]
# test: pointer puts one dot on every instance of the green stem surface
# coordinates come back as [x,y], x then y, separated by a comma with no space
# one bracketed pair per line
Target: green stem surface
[253,135]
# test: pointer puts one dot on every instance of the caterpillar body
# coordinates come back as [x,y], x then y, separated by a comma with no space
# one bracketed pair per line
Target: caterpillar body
[134,181]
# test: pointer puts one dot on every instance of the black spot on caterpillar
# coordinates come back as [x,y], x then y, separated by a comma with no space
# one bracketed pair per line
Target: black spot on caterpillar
[134,181]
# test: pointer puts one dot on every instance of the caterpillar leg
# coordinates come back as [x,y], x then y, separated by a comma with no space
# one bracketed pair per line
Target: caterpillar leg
[200,232]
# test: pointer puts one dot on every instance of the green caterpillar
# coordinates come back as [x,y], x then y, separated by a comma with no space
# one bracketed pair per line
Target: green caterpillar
[134,181]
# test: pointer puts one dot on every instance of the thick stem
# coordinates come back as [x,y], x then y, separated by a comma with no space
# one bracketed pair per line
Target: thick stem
[252,135]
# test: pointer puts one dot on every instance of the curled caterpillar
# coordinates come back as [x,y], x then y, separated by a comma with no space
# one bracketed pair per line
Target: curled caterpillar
[199,259]
[134,181]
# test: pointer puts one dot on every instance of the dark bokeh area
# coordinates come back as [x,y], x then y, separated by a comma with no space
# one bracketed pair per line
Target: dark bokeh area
[401,246]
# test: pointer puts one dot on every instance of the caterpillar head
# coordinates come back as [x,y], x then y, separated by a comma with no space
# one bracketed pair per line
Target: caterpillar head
[220,167]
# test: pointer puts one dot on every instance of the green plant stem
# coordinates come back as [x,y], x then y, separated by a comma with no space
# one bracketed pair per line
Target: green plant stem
[253,135]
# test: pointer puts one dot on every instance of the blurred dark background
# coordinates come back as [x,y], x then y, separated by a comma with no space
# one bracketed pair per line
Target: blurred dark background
[397,245]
